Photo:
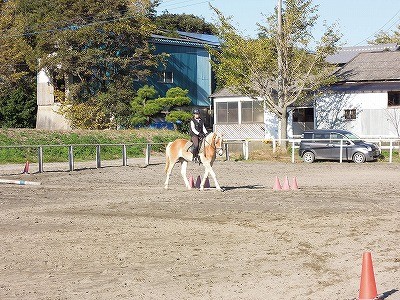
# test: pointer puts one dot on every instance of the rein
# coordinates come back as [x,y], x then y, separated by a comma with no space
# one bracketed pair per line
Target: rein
[212,144]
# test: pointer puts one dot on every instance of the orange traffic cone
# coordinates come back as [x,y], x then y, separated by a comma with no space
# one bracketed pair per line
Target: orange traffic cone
[294,184]
[26,168]
[191,182]
[367,284]
[286,185]
[198,182]
[207,183]
[277,184]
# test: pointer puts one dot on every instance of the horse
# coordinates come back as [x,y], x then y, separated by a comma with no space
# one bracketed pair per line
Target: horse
[178,151]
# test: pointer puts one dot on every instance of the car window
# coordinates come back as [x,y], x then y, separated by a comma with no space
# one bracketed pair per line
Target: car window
[336,137]
[321,137]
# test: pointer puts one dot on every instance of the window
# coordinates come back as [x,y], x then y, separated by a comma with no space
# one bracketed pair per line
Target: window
[252,112]
[303,115]
[227,112]
[393,98]
[350,114]
[165,77]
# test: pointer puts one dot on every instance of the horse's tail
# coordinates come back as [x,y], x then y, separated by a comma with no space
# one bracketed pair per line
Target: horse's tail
[167,155]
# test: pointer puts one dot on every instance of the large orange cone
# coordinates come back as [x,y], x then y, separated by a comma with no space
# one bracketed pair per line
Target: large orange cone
[286,185]
[191,182]
[26,168]
[367,284]
[277,184]
[294,184]
[198,182]
[207,183]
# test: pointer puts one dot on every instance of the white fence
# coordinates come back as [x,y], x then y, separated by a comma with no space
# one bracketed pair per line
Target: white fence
[384,144]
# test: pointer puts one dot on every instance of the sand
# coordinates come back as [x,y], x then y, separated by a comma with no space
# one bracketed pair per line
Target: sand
[115,233]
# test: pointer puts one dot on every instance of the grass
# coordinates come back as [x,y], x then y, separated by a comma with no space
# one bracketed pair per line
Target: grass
[23,143]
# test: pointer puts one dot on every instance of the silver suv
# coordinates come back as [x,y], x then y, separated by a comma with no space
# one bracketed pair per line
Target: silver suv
[326,144]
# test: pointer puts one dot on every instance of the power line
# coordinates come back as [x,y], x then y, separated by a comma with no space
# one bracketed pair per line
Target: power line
[381,28]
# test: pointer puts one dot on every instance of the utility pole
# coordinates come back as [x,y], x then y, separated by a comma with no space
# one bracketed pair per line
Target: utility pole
[280,68]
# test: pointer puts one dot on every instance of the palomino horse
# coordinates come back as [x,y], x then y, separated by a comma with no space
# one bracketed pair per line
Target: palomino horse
[176,151]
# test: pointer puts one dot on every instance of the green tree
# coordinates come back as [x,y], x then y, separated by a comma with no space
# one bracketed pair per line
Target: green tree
[385,37]
[94,50]
[280,66]
[17,76]
[184,22]
[147,105]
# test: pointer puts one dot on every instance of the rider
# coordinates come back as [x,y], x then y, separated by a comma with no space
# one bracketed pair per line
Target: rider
[197,132]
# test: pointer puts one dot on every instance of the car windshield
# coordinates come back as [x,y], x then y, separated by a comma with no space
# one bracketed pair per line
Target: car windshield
[352,136]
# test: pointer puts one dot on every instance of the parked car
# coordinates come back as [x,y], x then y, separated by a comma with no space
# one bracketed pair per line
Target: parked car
[325,144]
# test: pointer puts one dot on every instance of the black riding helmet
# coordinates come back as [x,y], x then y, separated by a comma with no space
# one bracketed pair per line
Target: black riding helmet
[196,111]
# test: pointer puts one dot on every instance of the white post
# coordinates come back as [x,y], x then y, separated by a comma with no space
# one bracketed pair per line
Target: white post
[147,158]
[124,157]
[40,159]
[341,151]
[293,152]
[391,151]
[71,157]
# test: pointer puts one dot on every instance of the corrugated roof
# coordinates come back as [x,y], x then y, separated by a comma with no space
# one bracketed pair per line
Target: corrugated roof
[188,39]
[380,66]
[345,54]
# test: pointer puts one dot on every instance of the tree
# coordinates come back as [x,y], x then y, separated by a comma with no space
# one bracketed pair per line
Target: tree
[184,22]
[93,51]
[17,78]
[147,105]
[278,66]
[387,38]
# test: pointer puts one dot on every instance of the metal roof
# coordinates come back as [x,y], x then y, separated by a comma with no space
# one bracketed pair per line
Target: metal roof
[187,39]
[346,54]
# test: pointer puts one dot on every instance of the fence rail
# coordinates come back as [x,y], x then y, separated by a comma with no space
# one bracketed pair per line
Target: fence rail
[384,144]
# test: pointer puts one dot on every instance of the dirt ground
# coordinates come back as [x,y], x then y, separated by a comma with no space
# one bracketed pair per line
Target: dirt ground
[115,233]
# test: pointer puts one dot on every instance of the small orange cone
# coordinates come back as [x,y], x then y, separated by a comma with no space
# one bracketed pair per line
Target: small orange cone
[294,184]
[277,184]
[207,183]
[26,168]
[367,284]
[198,182]
[286,185]
[191,182]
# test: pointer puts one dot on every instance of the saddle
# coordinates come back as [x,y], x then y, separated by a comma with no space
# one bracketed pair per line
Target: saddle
[189,146]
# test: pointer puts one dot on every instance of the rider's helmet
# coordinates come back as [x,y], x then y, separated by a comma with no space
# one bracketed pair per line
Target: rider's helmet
[196,111]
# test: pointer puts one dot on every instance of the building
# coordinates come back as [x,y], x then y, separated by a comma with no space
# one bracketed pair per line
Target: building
[365,100]
[187,66]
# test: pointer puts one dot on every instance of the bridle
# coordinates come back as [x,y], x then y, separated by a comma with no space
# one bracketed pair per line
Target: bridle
[219,150]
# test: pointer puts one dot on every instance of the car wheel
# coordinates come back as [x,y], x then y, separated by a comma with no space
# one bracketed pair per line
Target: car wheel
[308,157]
[359,157]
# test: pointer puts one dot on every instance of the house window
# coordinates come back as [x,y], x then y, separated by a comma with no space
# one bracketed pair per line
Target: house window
[252,112]
[303,115]
[350,114]
[165,77]
[227,112]
[393,98]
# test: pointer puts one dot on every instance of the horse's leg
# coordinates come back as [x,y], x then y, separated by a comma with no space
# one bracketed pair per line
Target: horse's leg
[183,173]
[168,171]
[209,170]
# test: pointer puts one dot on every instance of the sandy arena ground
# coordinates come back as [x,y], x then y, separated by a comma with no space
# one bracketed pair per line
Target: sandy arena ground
[115,233]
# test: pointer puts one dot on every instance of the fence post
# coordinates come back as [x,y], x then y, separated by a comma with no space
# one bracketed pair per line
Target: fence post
[227,151]
[40,159]
[124,157]
[246,149]
[391,151]
[292,152]
[98,158]
[147,158]
[273,145]
[71,157]
[341,151]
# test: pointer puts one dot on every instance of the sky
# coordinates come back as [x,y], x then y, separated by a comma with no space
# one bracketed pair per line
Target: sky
[358,20]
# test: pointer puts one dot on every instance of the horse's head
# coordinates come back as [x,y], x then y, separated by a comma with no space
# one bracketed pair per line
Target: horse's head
[218,143]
